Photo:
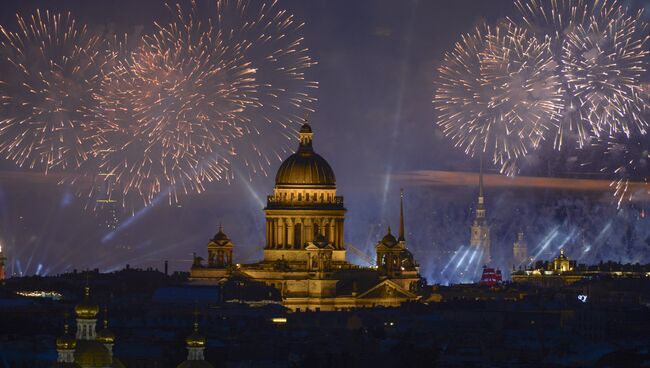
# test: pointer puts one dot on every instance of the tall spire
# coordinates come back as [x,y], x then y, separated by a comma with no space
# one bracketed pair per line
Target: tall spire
[401,216]
[480,181]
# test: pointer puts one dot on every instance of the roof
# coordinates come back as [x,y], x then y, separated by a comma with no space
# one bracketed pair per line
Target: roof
[305,167]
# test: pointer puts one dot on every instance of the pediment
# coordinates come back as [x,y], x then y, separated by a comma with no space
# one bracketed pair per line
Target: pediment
[387,289]
[312,246]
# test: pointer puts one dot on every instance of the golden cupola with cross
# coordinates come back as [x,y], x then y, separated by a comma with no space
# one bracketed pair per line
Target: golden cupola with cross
[304,208]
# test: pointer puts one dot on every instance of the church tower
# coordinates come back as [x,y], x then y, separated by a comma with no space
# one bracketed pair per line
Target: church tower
[304,210]
[520,251]
[195,344]
[480,238]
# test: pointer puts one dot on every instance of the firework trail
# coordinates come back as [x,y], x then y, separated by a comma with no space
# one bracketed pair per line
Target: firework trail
[498,93]
[49,70]
[214,88]
[627,158]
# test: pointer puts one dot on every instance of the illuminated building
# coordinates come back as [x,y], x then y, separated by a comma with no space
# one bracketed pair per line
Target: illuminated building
[520,250]
[559,271]
[304,253]
[480,238]
[3,261]
[88,349]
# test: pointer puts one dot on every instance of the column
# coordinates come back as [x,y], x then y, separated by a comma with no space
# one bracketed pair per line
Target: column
[268,240]
[291,224]
[280,233]
[341,239]
[330,236]
[274,230]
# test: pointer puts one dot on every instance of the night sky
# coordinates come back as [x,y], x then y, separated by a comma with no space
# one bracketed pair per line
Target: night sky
[374,120]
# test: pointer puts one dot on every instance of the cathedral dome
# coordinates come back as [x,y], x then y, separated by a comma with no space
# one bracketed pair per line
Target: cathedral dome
[305,167]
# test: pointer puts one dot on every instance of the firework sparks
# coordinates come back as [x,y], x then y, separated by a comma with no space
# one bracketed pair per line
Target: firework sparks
[210,90]
[627,158]
[603,62]
[51,66]
[498,93]
[599,51]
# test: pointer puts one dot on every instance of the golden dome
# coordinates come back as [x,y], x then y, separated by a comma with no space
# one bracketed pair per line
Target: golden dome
[85,309]
[195,340]
[305,167]
[105,336]
[92,354]
[66,342]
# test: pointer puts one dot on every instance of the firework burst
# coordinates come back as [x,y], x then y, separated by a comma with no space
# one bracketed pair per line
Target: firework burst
[599,51]
[210,91]
[497,93]
[603,62]
[50,69]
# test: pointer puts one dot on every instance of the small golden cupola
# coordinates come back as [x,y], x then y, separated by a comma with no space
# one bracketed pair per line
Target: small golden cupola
[106,336]
[195,346]
[65,347]
[85,309]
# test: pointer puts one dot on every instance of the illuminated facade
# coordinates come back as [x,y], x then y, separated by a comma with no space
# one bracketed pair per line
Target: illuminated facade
[480,237]
[304,254]
[559,271]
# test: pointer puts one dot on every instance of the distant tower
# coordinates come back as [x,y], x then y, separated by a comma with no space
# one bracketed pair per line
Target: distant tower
[393,259]
[480,230]
[3,259]
[520,251]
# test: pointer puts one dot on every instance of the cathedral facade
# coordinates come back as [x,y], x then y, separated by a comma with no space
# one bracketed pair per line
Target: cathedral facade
[305,255]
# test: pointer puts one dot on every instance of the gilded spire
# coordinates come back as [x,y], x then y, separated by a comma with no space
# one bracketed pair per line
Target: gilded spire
[401,216]
[480,181]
